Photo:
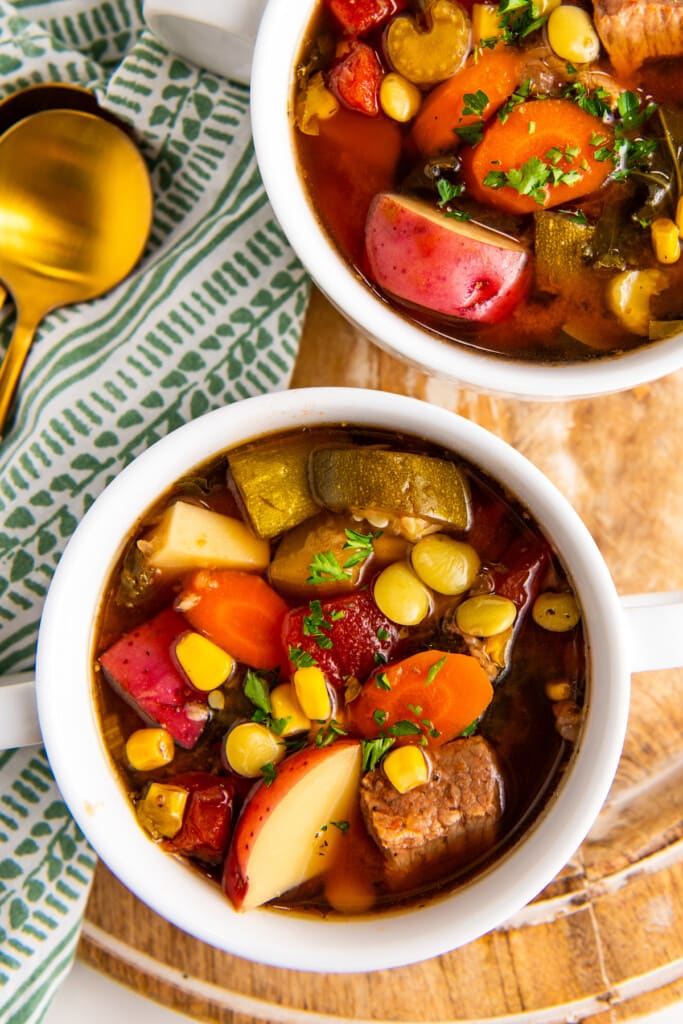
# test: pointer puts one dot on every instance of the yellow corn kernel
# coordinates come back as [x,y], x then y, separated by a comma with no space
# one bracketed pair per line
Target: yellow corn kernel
[285,705]
[406,768]
[572,35]
[485,25]
[147,749]
[250,746]
[560,689]
[665,240]
[399,99]
[315,103]
[161,810]
[312,693]
[679,216]
[206,665]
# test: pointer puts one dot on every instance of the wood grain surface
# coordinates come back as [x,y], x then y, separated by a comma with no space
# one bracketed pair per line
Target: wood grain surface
[604,942]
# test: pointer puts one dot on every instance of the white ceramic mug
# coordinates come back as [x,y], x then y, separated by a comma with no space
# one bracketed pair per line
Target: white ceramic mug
[623,636]
[200,32]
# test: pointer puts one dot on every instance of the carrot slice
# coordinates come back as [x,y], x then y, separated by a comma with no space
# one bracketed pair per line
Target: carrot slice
[559,134]
[238,611]
[431,694]
[495,73]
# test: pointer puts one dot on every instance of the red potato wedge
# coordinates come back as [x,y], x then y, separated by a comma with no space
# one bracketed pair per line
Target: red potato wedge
[286,833]
[455,268]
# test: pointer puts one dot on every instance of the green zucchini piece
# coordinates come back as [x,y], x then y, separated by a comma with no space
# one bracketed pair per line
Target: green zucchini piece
[560,244]
[397,483]
[272,482]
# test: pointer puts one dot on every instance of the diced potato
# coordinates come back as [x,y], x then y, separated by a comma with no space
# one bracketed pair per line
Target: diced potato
[291,564]
[192,537]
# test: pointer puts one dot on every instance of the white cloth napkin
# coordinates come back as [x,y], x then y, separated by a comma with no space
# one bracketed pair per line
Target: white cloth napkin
[212,314]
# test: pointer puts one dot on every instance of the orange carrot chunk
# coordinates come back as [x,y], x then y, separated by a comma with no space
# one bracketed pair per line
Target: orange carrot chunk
[238,611]
[492,80]
[546,153]
[432,694]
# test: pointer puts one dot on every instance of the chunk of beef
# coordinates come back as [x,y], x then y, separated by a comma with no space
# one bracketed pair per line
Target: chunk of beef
[633,31]
[442,825]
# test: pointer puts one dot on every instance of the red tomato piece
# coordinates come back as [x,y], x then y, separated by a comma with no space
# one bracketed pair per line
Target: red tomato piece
[208,816]
[357,17]
[355,79]
[524,564]
[354,639]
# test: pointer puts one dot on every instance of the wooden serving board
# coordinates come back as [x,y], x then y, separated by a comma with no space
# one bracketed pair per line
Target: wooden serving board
[604,942]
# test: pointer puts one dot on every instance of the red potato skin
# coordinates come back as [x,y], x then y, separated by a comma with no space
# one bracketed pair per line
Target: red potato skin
[355,79]
[255,811]
[425,265]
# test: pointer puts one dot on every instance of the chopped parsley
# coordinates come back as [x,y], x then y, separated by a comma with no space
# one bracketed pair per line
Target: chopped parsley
[435,669]
[374,750]
[317,626]
[300,658]
[329,733]
[257,689]
[517,20]
[379,717]
[404,728]
[269,772]
[471,728]
[361,544]
[382,681]
[533,177]
[343,826]
[326,568]
[519,96]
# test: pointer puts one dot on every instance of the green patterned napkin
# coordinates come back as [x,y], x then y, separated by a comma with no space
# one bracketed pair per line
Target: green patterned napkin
[212,314]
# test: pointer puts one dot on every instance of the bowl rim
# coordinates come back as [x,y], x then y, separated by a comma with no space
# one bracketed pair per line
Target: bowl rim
[96,799]
[278,42]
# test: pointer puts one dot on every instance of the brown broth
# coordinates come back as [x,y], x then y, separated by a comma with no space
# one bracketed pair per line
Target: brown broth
[519,723]
[354,157]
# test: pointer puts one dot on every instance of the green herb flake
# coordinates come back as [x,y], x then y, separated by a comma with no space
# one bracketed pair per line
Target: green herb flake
[475,103]
[329,733]
[447,191]
[471,134]
[471,728]
[300,658]
[435,669]
[269,773]
[325,568]
[382,633]
[343,826]
[531,127]
[379,717]
[373,751]
[361,544]
[256,688]
[404,728]
[382,681]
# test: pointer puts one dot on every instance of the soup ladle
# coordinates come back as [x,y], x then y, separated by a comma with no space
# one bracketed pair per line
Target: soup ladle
[75,214]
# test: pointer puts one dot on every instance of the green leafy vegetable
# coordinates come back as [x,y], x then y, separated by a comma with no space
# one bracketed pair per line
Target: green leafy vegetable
[374,750]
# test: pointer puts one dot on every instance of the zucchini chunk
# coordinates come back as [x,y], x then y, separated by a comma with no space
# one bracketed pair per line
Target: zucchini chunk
[399,483]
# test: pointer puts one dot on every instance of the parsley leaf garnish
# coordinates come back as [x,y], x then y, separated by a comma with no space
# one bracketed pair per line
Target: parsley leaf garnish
[257,689]
[325,568]
[343,826]
[382,681]
[317,626]
[300,658]
[329,733]
[435,669]
[269,772]
[404,728]
[374,750]
[361,543]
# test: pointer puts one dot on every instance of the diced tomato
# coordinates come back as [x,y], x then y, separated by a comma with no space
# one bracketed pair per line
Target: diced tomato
[356,636]
[524,563]
[355,79]
[357,17]
[208,816]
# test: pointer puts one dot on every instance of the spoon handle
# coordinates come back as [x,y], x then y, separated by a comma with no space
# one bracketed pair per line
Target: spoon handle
[12,365]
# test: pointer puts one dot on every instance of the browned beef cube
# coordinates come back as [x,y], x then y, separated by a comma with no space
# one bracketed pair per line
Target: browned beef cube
[632,31]
[449,821]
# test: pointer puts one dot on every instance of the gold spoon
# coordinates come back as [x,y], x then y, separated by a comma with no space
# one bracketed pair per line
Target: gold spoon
[75,214]
[49,96]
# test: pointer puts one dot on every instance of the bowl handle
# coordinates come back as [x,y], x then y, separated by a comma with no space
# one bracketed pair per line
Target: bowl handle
[18,711]
[655,630]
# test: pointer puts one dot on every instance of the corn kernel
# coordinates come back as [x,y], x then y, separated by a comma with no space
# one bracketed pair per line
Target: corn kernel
[399,99]
[572,35]
[285,705]
[312,693]
[406,768]
[161,810]
[560,689]
[665,240]
[147,749]
[206,665]
[250,746]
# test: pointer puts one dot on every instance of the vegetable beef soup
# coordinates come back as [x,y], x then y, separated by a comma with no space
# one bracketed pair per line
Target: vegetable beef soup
[508,176]
[338,670]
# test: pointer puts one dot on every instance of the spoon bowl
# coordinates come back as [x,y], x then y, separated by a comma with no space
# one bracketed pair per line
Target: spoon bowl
[75,214]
